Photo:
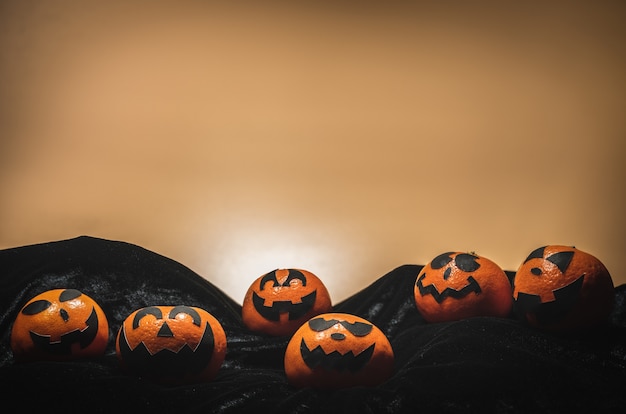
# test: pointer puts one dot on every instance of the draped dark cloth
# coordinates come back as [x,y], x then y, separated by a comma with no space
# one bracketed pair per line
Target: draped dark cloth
[475,365]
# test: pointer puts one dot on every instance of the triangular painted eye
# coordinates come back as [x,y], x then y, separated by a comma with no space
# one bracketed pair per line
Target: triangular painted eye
[536,254]
[467,262]
[35,307]
[561,260]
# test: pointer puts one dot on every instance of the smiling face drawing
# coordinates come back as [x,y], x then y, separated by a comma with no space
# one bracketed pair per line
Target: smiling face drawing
[278,302]
[60,324]
[458,285]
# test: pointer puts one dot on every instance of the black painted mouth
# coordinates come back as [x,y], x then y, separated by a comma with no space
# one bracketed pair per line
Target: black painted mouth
[64,345]
[549,312]
[317,358]
[295,310]
[471,287]
[165,362]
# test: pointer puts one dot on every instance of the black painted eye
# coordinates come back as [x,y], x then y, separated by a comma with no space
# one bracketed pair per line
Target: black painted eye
[321,324]
[295,275]
[536,254]
[195,316]
[357,328]
[467,262]
[150,310]
[561,260]
[35,307]
[441,260]
[270,277]
[69,294]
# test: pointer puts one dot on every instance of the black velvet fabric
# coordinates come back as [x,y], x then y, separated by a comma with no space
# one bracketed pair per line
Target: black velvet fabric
[473,365]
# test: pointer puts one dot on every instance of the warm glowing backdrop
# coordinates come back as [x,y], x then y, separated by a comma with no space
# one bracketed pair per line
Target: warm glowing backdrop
[344,139]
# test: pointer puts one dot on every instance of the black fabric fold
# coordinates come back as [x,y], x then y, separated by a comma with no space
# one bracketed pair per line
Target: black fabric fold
[477,364]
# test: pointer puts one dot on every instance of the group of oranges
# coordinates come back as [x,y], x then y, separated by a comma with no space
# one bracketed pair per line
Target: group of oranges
[168,344]
[556,288]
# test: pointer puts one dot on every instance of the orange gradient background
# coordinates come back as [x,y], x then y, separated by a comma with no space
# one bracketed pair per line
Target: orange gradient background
[346,139]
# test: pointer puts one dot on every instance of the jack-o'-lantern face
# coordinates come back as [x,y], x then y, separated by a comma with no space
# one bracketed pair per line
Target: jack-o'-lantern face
[278,302]
[561,288]
[172,344]
[456,285]
[59,324]
[337,350]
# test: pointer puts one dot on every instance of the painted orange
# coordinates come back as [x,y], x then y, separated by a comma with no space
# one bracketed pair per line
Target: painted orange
[459,285]
[338,350]
[278,302]
[561,288]
[59,324]
[172,344]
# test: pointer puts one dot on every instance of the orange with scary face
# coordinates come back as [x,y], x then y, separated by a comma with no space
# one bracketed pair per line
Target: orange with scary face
[278,302]
[561,288]
[338,350]
[172,344]
[457,285]
[59,324]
